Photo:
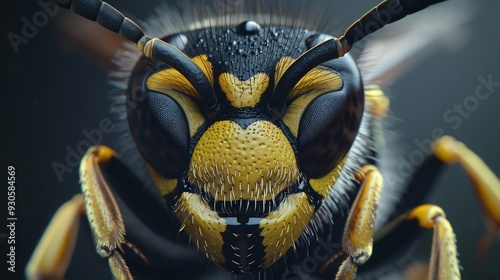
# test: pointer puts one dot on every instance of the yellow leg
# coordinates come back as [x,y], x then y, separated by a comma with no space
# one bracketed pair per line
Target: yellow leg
[102,210]
[53,253]
[486,184]
[357,242]
[443,264]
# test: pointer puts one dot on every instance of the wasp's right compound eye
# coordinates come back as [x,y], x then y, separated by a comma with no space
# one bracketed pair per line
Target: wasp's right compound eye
[158,125]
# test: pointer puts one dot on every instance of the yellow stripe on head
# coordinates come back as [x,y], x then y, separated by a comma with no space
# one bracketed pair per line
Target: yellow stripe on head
[243,93]
[170,82]
[324,185]
[315,83]
[171,79]
[164,185]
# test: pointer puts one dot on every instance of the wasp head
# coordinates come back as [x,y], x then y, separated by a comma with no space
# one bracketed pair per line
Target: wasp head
[245,179]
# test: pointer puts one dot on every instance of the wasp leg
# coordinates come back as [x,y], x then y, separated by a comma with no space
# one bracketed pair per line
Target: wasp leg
[53,253]
[357,242]
[486,184]
[444,262]
[393,240]
[102,210]
[105,177]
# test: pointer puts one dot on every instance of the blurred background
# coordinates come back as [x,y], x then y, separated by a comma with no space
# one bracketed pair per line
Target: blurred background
[51,93]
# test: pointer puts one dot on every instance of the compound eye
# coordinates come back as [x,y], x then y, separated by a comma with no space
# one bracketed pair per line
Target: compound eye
[327,129]
[161,133]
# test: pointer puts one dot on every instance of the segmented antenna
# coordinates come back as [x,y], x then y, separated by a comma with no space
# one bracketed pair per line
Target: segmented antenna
[154,48]
[387,12]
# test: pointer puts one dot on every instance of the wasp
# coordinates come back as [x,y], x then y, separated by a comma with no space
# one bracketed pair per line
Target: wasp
[260,142]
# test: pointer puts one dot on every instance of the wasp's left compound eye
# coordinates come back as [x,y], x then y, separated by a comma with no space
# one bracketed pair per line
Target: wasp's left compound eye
[330,122]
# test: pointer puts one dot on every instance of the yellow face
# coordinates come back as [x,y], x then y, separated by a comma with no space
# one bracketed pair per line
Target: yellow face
[252,181]
[241,172]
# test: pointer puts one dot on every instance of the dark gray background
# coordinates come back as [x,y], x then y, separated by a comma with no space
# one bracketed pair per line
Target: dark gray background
[49,96]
